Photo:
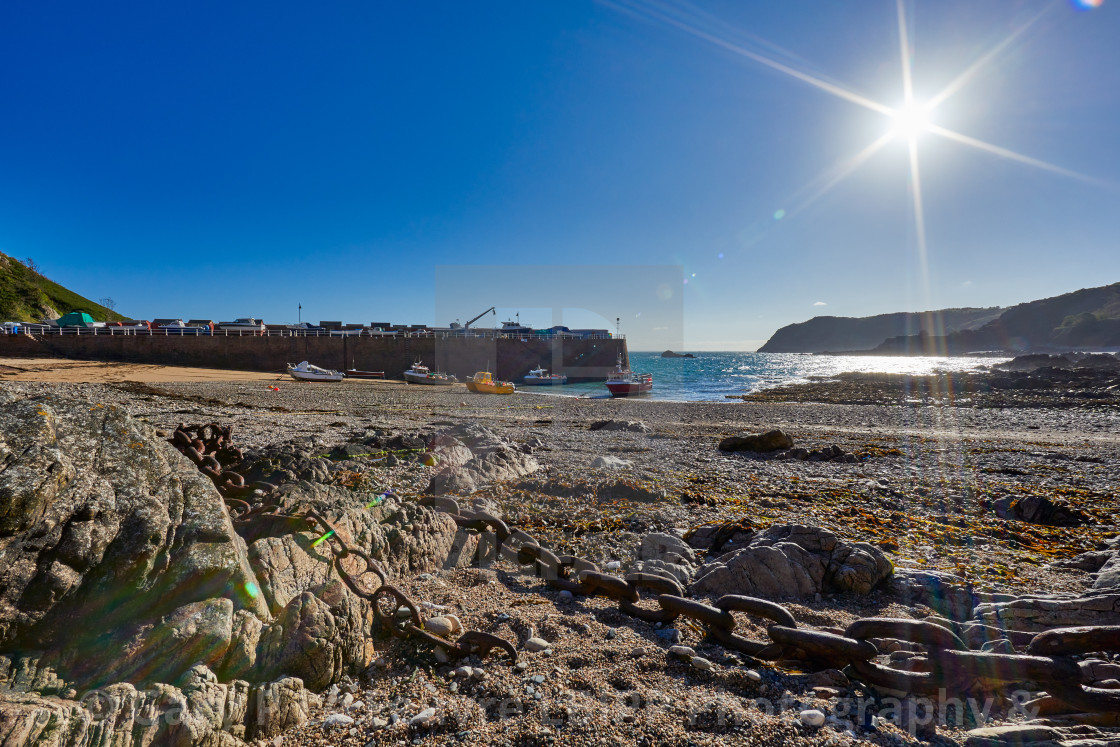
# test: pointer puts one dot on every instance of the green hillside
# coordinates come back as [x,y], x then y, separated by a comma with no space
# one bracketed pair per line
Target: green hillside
[1087,319]
[27,296]
[837,334]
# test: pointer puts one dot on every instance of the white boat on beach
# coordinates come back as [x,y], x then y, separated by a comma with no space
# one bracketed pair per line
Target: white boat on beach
[420,374]
[304,371]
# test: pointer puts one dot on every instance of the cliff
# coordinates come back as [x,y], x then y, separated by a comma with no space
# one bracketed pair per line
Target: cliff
[839,334]
[1085,319]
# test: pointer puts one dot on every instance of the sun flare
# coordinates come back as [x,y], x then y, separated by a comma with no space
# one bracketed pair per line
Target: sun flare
[911,120]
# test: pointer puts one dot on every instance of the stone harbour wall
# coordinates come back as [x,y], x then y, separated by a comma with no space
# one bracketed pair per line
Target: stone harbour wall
[506,358]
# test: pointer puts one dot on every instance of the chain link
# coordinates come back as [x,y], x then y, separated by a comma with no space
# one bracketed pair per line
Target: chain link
[948,666]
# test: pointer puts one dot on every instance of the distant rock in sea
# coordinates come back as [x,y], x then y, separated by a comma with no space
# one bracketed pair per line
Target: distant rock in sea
[671,354]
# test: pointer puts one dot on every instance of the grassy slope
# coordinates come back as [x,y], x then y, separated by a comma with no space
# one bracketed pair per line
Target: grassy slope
[26,296]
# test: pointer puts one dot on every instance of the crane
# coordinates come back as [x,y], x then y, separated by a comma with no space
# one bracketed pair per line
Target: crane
[472,321]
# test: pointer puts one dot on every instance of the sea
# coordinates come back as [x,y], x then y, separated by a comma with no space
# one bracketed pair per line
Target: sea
[711,377]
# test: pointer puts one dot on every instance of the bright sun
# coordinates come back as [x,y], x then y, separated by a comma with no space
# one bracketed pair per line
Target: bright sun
[911,120]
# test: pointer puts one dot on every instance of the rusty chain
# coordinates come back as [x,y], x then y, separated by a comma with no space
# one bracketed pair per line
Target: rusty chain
[210,448]
[948,664]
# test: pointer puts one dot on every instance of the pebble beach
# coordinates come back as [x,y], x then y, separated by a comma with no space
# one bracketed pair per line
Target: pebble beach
[919,472]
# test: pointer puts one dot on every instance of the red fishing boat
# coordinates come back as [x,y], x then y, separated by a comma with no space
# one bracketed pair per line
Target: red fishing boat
[622,382]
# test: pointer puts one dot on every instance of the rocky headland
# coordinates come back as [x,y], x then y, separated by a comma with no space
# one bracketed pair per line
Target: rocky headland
[209,563]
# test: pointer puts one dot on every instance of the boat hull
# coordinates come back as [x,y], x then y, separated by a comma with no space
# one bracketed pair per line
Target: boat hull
[305,376]
[628,389]
[630,385]
[355,374]
[490,388]
[413,378]
[545,380]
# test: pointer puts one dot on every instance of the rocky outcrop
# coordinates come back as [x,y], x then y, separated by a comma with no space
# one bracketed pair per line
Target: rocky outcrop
[665,555]
[773,440]
[110,524]
[1037,615]
[716,536]
[831,453]
[795,561]
[1091,562]
[1108,573]
[491,458]
[606,461]
[1035,509]
[635,426]
[199,711]
[946,593]
[1034,361]
[124,573]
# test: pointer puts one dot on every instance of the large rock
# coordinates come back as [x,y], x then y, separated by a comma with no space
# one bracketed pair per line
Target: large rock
[278,706]
[794,561]
[199,632]
[1035,509]
[199,711]
[1012,735]
[105,522]
[403,536]
[1037,615]
[774,440]
[318,637]
[1091,562]
[606,461]
[122,571]
[492,458]
[635,426]
[948,594]
[1108,574]
[716,536]
[666,547]
[666,555]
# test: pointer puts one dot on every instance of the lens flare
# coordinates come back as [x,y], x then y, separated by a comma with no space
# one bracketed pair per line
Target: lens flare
[322,539]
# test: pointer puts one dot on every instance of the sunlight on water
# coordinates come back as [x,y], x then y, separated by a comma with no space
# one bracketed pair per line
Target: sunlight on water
[713,376]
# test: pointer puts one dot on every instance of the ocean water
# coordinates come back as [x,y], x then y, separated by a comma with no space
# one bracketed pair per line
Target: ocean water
[712,376]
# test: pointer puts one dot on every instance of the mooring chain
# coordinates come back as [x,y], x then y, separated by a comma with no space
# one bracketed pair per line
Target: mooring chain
[948,664]
[210,447]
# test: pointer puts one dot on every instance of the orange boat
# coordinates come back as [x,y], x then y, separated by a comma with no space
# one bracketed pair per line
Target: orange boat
[483,383]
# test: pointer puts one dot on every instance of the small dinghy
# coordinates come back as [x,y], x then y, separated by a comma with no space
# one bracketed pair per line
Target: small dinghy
[307,372]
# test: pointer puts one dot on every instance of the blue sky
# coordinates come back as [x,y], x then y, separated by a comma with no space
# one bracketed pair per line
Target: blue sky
[220,160]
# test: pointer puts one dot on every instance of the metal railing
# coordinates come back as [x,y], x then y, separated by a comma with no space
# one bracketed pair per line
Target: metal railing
[204,332]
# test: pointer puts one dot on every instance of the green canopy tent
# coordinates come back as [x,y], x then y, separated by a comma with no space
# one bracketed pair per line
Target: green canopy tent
[76,319]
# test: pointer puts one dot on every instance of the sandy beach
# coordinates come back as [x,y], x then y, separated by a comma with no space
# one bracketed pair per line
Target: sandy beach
[61,370]
[921,485]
